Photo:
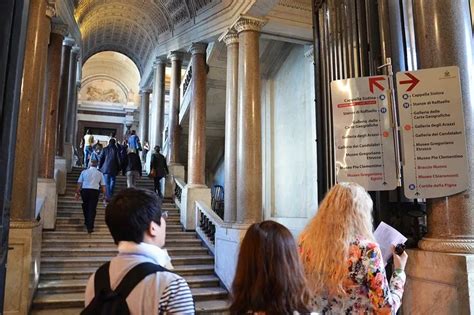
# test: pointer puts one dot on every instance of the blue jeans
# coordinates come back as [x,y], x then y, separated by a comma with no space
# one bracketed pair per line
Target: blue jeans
[109,185]
[87,154]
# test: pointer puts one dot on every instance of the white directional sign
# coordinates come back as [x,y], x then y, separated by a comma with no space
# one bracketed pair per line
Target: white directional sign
[433,139]
[363,132]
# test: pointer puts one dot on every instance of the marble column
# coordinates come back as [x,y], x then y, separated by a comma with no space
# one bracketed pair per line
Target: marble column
[62,107]
[25,230]
[71,108]
[176,170]
[231,40]
[144,114]
[444,38]
[46,182]
[176,62]
[160,77]
[197,117]
[249,125]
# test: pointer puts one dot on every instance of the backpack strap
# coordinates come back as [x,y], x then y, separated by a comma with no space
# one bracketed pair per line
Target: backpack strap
[102,279]
[134,276]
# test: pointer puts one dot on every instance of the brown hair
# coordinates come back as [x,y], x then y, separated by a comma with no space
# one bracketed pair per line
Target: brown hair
[269,276]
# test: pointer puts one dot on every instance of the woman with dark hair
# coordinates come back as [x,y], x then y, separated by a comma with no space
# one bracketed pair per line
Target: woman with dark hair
[269,278]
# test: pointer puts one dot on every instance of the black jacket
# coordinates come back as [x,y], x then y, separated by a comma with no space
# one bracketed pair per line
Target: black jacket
[133,163]
[158,163]
[110,160]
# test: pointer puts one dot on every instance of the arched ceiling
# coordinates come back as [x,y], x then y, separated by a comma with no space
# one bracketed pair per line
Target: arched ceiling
[131,27]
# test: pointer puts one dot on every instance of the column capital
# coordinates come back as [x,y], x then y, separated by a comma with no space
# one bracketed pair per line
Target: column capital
[59,28]
[50,11]
[176,55]
[249,23]
[230,37]
[159,61]
[144,91]
[198,48]
[75,50]
[69,41]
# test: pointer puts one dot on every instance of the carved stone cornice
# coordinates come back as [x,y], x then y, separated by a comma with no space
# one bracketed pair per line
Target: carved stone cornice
[249,23]
[24,224]
[176,55]
[460,246]
[198,48]
[59,28]
[230,37]
[50,11]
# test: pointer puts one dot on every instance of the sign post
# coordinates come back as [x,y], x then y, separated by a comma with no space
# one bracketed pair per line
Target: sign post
[433,133]
[364,132]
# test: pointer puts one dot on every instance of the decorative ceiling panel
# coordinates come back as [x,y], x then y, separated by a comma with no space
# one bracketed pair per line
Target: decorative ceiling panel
[131,27]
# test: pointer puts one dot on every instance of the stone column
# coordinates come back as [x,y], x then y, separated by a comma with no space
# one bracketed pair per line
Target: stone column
[46,183]
[160,99]
[71,108]
[62,107]
[231,40]
[176,169]
[249,125]
[444,38]
[196,189]
[25,229]
[144,114]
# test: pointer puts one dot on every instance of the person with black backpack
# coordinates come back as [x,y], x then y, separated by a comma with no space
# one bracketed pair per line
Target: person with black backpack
[138,279]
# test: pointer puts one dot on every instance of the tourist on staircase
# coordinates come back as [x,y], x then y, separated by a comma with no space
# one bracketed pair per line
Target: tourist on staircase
[158,169]
[132,168]
[110,166]
[343,263]
[88,142]
[138,227]
[88,188]
[134,142]
[269,277]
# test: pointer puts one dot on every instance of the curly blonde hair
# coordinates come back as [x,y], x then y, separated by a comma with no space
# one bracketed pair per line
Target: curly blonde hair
[344,214]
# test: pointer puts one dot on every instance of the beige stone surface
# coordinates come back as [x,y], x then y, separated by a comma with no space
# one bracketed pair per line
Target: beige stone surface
[60,175]
[23,266]
[439,283]
[176,170]
[190,194]
[47,189]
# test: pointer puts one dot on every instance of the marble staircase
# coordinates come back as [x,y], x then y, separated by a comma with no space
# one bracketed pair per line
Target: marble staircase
[70,255]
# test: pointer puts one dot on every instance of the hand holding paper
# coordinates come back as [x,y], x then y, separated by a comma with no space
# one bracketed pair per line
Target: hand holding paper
[387,237]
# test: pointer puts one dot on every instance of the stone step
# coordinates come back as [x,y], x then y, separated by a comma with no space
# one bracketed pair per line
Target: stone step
[84,273]
[78,220]
[47,235]
[112,251]
[95,261]
[103,228]
[202,307]
[108,242]
[77,299]
[70,286]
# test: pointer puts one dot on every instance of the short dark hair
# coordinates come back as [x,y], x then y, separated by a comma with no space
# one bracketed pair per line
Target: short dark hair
[130,212]
[133,132]
[269,276]
[112,141]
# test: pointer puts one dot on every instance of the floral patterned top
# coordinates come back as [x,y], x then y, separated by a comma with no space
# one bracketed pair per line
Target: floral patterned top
[368,291]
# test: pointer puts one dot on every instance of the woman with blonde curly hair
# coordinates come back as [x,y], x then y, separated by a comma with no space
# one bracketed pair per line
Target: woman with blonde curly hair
[342,261]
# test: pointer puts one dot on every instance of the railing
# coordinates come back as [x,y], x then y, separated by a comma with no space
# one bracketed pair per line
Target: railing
[206,223]
[186,81]
[178,189]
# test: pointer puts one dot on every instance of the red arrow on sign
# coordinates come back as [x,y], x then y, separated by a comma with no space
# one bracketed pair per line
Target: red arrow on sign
[373,81]
[413,81]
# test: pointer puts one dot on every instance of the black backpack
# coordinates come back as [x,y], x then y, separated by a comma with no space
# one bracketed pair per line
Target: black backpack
[108,302]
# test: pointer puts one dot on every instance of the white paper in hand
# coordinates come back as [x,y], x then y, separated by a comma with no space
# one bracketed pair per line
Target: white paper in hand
[386,236]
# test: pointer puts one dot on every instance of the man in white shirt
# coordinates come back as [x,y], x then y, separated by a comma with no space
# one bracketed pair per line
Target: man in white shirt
[89,184]
[138,226]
